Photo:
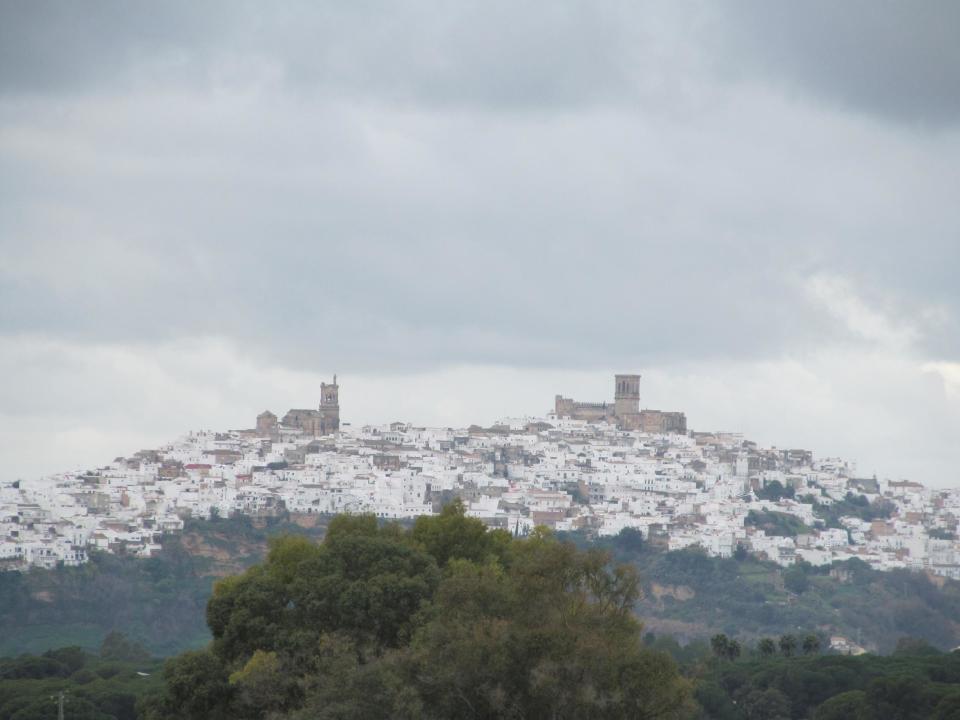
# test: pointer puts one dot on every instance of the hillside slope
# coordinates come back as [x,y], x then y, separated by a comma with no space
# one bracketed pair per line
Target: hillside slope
[161,601]
[690,595]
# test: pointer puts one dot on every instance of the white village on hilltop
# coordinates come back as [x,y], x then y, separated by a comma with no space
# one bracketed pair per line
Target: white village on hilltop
[592,467]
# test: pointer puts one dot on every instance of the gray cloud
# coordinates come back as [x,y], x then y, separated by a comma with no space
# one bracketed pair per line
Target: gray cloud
[408,188]
[483,237]
[495,54]
[57,45]
[894,59]
[899,60]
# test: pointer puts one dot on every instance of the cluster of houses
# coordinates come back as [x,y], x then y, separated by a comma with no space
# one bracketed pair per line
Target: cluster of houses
[717,491]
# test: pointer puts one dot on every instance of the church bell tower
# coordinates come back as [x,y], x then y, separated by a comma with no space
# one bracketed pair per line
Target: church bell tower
[329,407]
[626,400]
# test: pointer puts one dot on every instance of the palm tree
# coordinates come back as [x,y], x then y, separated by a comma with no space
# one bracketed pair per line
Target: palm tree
[767,647]
[788,645]
[811,645]
[725,648]
[720,644]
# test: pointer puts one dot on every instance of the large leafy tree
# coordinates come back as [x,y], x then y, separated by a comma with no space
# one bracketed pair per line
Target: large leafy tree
[445,620]
[451,535]
[851,705]
[552,637]
[360,582]
[196,689]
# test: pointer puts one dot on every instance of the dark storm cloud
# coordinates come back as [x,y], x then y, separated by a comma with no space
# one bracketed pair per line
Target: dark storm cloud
[899,60]
[58,45]
[491,53]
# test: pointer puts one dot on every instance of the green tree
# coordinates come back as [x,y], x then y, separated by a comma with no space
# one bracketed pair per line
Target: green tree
[715,703]
[769,704]
[343,688]
[774,491]
[795,579]
[46,709]
[551,637]
[366,625]
[719,644]
[630,540]
[196,688]
[73,657]
[725,648]
[948,708]
[899,697]
[850,705]
[117,646]
[369,587]
[262,686]
[248,612]
[361,581]
[914,646]
[451,534]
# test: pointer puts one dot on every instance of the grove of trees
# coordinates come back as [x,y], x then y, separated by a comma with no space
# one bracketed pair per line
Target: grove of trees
[445,620]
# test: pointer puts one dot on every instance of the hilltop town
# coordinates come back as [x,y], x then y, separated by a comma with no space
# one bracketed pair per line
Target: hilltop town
[595,467]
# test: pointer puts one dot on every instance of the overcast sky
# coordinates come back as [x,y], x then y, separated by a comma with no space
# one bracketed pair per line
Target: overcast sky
[207,208]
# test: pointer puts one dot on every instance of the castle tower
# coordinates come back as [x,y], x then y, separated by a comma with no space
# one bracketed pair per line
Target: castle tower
[626,398]
[329,407]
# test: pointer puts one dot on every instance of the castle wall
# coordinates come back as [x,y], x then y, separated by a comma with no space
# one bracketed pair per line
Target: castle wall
[593,412]
[588,412]
[658,421]
[305,419]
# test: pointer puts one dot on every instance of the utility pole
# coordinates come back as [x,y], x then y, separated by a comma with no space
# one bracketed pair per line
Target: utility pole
[61,697]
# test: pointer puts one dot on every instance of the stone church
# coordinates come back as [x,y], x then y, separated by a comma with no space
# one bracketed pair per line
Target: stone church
[323,421]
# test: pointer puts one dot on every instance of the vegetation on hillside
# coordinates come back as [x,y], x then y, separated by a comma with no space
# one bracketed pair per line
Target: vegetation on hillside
[693,596]
[159,601]
[102,686]
[916,682]
[775,491]
[858,506]
[777,523]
